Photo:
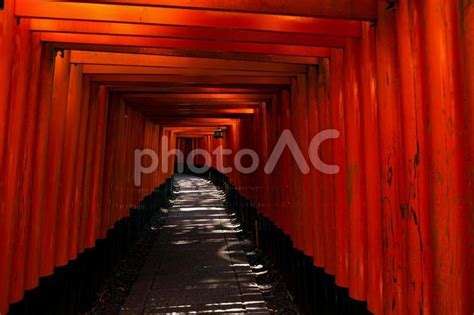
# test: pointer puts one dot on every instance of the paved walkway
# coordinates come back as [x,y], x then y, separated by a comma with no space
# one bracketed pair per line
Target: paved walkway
[197,264]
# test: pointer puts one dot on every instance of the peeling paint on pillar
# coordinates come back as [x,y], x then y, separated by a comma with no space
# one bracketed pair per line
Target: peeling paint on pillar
[394,259]
[448,179]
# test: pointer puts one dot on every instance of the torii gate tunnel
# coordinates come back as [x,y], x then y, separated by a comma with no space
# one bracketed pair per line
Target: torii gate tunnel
[87,86]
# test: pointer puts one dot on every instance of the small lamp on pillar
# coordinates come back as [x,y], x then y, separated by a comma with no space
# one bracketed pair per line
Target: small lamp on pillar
[218,133]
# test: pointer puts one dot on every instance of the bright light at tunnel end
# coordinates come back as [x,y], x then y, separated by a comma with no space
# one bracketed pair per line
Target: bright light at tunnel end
[286,140]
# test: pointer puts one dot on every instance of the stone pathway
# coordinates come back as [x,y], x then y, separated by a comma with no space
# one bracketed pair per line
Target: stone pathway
[197,264]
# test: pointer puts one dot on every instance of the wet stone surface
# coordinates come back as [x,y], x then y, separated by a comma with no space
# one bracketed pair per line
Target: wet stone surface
[197,264]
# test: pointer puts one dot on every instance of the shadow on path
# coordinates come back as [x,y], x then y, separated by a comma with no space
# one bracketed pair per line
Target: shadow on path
[197,264]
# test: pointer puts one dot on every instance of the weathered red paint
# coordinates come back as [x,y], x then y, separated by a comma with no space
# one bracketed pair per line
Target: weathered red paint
[350,9]
[75,246]
[415,197]
[394,226]
[18,161]
[340,180]
[55,160]
[447,147]
[328,193]
[21,241]
[393,210]
[186,17]
[468,35]
[15,112]
[315,102]
[303,141]
[32,269]
[369,117]
[97,175]
[356,205]
[71,138]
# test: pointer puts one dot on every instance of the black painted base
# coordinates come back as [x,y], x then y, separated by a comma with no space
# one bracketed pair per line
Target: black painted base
[314,290]
[72,289]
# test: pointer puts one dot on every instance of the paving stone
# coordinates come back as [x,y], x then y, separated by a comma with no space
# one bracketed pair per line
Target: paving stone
[192,296]
[193,280]
[142,285]
[197,264]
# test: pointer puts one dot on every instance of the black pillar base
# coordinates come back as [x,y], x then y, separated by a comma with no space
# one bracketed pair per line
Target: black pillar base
[313,289]
[73,288]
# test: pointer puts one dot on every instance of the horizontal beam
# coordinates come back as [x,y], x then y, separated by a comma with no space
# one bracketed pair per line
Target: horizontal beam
[202,107]
[191,129]
[170,122]
[110,69]
[106,58]
[178,112]
[164,31]
[196,96]
[192,116]
[186,17]
[208,80]
[346,9]
[188,53]
[155,106]
[194,135]
[202,45]
[189,89]
[174,123]
[190,102]
[183,121]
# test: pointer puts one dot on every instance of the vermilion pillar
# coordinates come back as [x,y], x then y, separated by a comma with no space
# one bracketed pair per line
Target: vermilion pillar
[317,187]
[340,179]
[414,122]
[55,160]
[450,213]
[76,246]
[32,269]
[370,127]
[393,211]
[356,204]
[71,141]
[468,43]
